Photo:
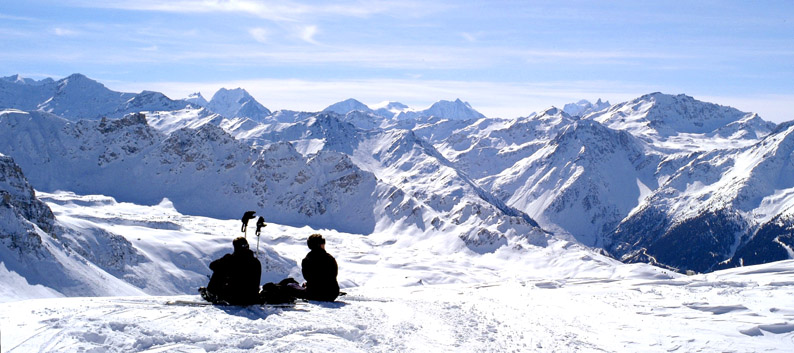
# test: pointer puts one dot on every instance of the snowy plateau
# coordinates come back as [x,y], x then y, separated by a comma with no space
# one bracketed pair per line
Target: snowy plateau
[660,224]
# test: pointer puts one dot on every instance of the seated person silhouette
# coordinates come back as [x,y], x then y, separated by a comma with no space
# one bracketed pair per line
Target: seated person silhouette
[235,277]
[319,270]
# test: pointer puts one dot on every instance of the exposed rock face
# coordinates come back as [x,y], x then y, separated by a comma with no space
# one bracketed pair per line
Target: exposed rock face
[19,203]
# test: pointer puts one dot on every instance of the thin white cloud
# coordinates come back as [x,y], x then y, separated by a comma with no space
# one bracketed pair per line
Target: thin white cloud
[419,58]
[64,32]
[16,18]
[308,33]
[259,34]
[272,10]
[471,38]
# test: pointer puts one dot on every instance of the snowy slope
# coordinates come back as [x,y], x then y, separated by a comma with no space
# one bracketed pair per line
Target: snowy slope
[712,206]
[36,260]
[202,171]
[148,101]
[337,186]
[417,186]
[584,181]
[489,146]
[737,311]
[416,296]
[173,120]
[17,92]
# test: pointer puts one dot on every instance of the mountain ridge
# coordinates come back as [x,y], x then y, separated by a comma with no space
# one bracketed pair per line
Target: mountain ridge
[626,174]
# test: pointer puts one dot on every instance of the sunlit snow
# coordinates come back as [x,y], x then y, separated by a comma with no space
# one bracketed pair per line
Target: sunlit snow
[405,292]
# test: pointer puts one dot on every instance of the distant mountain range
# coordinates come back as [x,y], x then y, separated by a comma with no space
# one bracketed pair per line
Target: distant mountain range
[664,179]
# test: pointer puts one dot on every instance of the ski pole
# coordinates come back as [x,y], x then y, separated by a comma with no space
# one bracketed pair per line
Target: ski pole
[247,216]
[259,224]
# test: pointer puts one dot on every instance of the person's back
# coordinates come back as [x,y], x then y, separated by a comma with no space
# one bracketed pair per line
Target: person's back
[235,277]
[320,270]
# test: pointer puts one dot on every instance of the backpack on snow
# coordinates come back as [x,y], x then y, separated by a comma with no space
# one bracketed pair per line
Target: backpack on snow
[284,292]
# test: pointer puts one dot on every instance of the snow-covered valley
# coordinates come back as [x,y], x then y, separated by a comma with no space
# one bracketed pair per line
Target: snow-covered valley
[404,295]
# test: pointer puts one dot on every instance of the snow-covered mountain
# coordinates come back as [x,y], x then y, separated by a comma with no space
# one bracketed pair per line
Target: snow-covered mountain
[455,110]
[714,207]
[36,259]
[390,109]
[437,212]
[323,187]
[197,100]
[170,121]
[237,103]
[148,101]
[417,185]
[347,106]
[584,178]
[79,97]
[663,161]
[660,118]
[21,208]
[584,107]
[202,171]
[445,109]
[74,97]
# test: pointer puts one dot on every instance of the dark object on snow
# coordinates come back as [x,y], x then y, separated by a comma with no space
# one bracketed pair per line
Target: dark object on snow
[235,277]
[260,223]
[247,216]
[210,297]
[284,292]
[320,270]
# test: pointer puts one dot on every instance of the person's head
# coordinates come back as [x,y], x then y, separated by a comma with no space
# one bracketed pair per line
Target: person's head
[240,243]
[316,241]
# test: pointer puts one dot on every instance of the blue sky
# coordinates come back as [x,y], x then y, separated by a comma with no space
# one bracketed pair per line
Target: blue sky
[506,58]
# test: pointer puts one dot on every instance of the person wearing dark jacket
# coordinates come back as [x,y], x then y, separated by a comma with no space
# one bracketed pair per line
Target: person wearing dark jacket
[319,270]
[235,277]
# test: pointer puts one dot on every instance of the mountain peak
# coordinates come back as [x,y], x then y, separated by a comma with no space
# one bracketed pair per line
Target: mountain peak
[81,84]
[78,77]
[237,103]
[456,110]
[584,107]
[19,79]
[666,115]
[197,99]
[552,111]
[347,106]
[16,79]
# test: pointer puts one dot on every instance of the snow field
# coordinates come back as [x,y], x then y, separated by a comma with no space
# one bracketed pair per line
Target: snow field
[736,312]
[406,293]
